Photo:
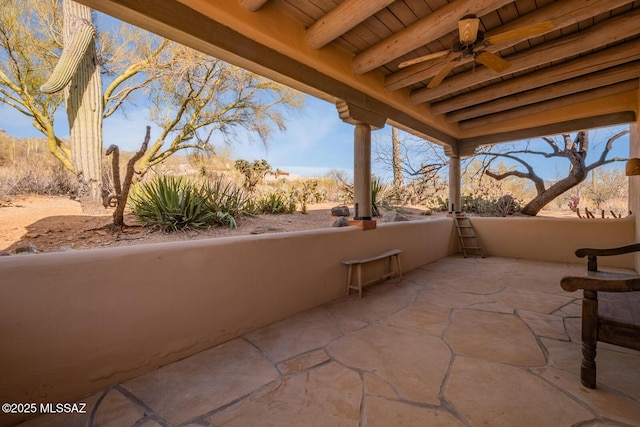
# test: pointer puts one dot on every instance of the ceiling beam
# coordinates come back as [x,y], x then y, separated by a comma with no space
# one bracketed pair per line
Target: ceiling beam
[591,122]
[574,99]
[561,14]
[568,87]
[422,32]
[617,55]
[341,19]
[252,5]
[602,34]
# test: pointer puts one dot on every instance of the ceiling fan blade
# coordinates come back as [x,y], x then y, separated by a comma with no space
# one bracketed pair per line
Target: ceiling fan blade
[493,61]
[521,33]
[446,69]
[423,58]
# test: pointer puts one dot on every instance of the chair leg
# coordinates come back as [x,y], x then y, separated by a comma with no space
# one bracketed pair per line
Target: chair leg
[589,338]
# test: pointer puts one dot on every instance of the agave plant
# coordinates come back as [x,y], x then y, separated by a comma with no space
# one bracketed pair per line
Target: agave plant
[171,203]
[379,194]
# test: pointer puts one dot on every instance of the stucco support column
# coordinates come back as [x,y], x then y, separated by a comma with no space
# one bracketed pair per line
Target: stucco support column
[362,171]
[455,199]
[364,121]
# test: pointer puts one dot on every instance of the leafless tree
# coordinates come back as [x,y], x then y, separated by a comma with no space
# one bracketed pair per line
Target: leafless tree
[574,150]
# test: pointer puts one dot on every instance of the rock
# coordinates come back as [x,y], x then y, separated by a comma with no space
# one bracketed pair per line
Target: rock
[266,229]
[340,211]
[394,217]
[30,248]
[5,253]
[341,222]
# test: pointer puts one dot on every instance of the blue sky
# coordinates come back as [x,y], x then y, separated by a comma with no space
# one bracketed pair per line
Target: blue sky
[315,141]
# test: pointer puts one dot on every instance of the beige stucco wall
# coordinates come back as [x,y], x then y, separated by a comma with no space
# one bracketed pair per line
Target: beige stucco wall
[555,239]
[75,322]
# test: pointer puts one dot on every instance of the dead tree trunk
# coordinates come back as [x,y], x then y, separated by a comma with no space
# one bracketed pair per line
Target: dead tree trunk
[122,194]
[398,179]
[575,151]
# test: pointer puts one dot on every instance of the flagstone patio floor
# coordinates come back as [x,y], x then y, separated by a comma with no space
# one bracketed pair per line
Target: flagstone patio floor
[458,342]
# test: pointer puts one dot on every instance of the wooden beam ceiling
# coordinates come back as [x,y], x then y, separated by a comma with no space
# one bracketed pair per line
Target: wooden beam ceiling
[252,5]
[607,77]
[619,54]
[343,18]
[561,14]
[424,31]
[559,102]
[600,35]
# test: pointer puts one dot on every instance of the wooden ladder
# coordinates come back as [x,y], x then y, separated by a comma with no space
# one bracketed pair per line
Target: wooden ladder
[467,235]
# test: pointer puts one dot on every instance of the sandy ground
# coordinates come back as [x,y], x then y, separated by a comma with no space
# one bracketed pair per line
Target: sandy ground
[49,224]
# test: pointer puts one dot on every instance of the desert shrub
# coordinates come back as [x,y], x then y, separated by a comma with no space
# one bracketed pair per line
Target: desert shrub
[275,202]
[174,203]
[224,196]
[305,192]
[501,206]
[36,177]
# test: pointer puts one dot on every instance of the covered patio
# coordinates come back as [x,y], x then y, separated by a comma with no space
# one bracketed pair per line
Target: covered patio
[457,342]
[256,330]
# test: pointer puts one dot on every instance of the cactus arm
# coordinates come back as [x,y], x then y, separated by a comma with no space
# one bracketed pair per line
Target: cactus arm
[83,33]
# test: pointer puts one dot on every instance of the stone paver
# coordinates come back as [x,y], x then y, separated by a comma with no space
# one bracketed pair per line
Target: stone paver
[458,342]
[414,364]
[204,382]
[493,336]
[327,396]
[493,394]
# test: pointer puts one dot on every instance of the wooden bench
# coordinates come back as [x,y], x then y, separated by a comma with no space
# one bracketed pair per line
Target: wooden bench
[393,254]
[610,308]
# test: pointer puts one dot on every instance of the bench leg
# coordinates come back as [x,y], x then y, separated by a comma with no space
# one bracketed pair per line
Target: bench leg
[349,274]
[359,278]
[399,268]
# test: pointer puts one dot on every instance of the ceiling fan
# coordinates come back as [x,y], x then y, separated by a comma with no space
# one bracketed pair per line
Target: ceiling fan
[472,44]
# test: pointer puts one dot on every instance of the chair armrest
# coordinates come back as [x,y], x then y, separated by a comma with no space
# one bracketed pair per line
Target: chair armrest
[583,252]
[593,253]
[602,282]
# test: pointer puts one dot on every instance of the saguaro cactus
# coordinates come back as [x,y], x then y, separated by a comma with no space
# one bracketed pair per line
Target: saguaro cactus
[77,72]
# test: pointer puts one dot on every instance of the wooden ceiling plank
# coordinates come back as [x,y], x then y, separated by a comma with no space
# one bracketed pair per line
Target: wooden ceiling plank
[595,80]
[560,14]
[426,30]
[341,19]
[573,99]
[611,31]
[252,5]
[620,54]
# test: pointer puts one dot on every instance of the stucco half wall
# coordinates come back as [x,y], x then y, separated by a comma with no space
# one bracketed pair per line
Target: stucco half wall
[76,322]
[555,239]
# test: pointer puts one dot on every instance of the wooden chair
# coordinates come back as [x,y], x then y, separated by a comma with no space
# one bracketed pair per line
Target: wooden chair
[610,308]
